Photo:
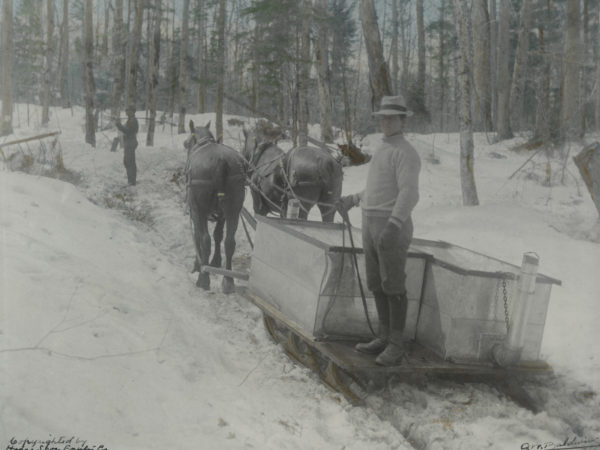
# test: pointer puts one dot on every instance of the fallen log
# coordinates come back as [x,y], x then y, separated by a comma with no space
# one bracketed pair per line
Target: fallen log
[30,138]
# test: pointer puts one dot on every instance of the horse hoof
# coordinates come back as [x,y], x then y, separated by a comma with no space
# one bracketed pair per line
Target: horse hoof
[203,281]
[228,286]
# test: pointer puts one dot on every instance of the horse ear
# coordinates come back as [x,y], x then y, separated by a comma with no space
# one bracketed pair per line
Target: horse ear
[207,126]
[192,126]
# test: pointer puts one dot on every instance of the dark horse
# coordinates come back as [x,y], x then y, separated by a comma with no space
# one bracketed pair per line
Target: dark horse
[308,174]
[266,163]
[216,176]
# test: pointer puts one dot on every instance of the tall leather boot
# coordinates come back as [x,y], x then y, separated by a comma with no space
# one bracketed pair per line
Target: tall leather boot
[378,344]
[395,351]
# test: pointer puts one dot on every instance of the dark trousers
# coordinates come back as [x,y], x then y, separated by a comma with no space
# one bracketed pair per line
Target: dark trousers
[385,264]
[129,162]
[386,271]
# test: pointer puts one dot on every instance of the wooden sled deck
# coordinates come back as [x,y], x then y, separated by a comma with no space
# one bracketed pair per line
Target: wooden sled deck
[419,360]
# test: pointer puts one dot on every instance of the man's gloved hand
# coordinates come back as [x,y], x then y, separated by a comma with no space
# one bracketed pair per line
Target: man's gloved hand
[389,234]
[345,203]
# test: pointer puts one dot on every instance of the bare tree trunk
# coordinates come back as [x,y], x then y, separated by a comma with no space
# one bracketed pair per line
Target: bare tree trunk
[570,117]
[503,129]
[518,79]
[63,69]
[256,70]
[220,66]
[303,74]
[481,65]
[467,163]
[105,35]
[405,22]
[172,70]
[379,75]
[132,54]
[183,55]
[48,62]
[154,66]
[7,24]
[542,113]
[598,79]
[323,72]
[493,13]
[395,69]
[420,91]
[442,65]
[201,97]
[118,56]
[88,73]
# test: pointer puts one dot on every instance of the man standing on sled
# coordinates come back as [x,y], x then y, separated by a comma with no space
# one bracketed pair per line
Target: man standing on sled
[391,193]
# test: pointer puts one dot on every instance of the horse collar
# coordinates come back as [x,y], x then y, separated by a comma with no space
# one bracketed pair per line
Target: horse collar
[207,140]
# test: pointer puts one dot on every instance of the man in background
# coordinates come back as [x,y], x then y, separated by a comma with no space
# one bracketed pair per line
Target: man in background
[130,143]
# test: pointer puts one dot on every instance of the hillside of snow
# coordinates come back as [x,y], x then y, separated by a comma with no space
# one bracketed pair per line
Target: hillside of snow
[105,338]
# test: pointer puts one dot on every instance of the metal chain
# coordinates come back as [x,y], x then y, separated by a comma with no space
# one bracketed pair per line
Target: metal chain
[505,305]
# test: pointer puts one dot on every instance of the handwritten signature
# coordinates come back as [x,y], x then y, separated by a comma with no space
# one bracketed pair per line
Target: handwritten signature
[567,444]
[54,443]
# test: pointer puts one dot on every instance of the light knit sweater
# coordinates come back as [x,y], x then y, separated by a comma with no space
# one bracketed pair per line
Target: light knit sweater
[393,181]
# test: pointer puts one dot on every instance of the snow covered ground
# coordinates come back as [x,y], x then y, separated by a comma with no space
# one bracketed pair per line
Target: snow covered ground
[105,338]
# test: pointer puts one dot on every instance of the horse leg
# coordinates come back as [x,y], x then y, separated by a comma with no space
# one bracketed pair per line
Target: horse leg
[309,196]
[327,206]
[327,212]
[330,195]
[232,224]
[202,244]
[218,237]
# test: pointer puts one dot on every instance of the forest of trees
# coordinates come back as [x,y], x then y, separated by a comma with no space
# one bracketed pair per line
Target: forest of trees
[530,67]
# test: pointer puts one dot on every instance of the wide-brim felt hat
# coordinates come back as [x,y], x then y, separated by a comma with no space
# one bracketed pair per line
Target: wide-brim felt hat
[393,106]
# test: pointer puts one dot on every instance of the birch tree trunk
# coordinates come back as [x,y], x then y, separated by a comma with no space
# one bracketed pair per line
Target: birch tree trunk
[183,56]
[118,56]
[132,54]
[48,62]
[323,72]
[503,129]
[481,65]
[395,69]
[467,162]
[63,69]
[379,76]
[201,95]
[303,74]
[6,58]
[88,73]
[420,91]
[222,14]
[517,90]
[570,117]
[154,66]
